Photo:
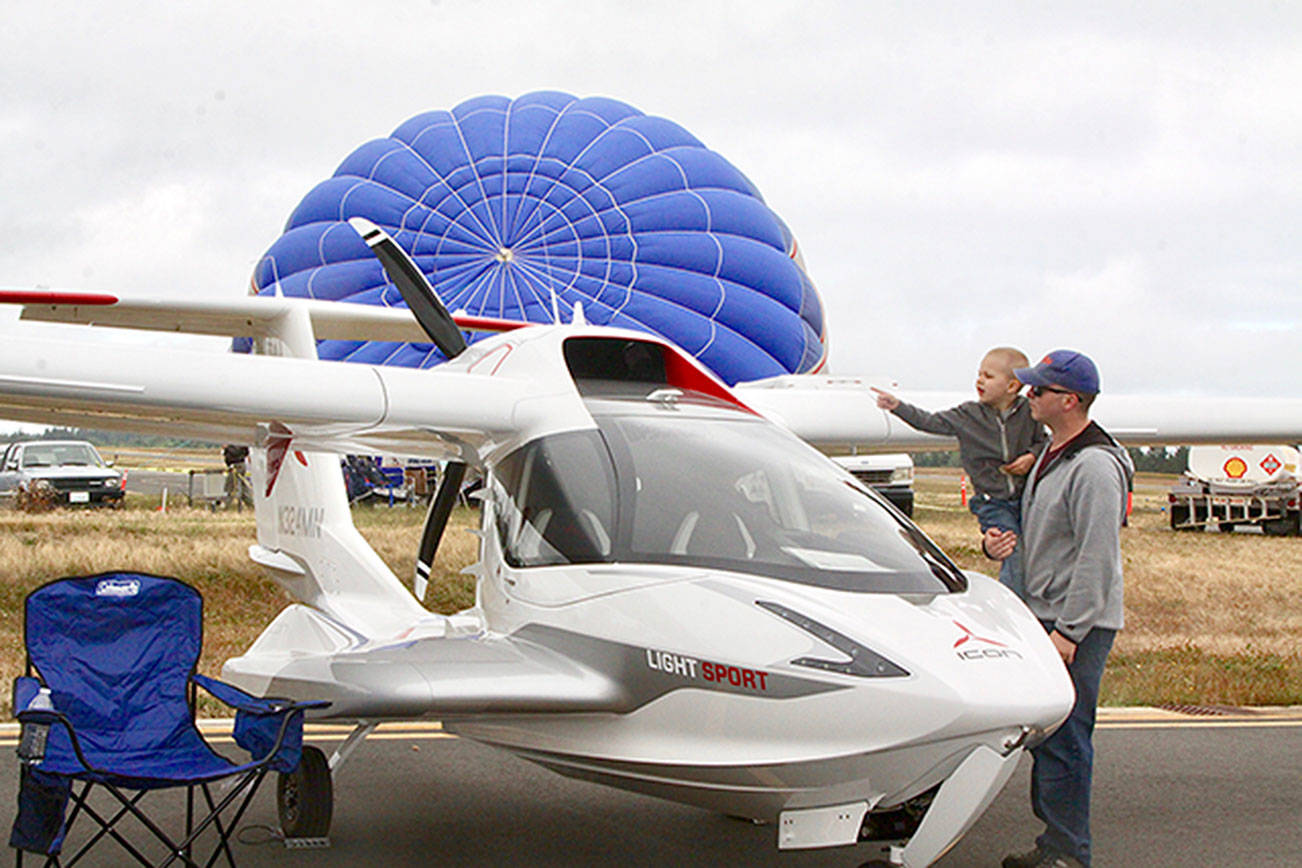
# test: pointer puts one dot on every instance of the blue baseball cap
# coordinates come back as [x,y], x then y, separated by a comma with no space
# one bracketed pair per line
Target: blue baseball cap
[1066,369]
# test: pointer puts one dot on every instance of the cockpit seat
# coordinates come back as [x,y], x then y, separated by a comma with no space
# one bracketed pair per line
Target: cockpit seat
[718,535]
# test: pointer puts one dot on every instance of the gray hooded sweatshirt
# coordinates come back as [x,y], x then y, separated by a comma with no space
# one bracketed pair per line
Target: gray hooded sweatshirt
[987,439]
[1071,534]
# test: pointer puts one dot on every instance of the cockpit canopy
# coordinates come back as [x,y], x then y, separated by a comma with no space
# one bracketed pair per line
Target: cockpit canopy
[674,477]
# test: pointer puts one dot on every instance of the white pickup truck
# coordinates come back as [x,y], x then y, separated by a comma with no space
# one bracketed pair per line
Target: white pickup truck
[890,473]
[1228,486]
[59,472]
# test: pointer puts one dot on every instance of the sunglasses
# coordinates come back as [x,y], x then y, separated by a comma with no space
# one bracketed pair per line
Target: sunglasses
[1037,391]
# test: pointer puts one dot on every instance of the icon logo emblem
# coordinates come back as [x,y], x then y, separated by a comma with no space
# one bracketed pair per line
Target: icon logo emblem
[981,647]
[969,636]
[1270,464]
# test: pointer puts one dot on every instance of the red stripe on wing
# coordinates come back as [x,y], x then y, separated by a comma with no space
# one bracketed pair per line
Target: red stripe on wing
[47,296]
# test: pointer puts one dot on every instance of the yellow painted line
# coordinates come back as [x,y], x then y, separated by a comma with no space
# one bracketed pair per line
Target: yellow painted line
[308,737]
[11,741]
[1249,714]
[1199,724]
[418,733]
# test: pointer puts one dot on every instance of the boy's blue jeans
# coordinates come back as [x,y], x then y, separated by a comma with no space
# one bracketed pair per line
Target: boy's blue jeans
[1005,515]
[1064,762]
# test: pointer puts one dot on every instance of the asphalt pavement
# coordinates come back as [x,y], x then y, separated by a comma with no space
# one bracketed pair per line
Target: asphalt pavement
[1170,789]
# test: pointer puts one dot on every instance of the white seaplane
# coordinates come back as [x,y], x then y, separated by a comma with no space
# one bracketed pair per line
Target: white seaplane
[677,594]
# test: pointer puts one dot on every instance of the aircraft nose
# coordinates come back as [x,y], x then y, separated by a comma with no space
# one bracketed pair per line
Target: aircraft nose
[979,660]
[1005,671]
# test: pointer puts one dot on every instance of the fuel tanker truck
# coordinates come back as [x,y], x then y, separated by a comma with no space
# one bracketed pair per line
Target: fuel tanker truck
[1228,486]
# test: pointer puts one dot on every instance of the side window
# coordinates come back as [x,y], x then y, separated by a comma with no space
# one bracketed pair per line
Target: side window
[555,501]
[502,485]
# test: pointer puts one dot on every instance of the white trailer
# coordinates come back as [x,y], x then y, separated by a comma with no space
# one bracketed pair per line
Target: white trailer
[1228,486]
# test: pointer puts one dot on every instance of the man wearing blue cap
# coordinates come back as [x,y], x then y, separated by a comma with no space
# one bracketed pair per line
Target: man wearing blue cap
[1072,511]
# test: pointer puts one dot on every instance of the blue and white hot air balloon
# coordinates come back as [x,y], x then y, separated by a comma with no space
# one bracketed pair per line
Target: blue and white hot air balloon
[519,209]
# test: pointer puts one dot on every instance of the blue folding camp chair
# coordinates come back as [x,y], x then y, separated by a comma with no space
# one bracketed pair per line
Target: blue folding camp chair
[109,701]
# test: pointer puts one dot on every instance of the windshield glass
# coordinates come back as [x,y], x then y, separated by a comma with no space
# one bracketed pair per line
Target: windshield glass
[60,455]
[721,492]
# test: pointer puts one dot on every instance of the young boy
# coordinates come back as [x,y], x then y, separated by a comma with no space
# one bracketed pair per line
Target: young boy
[997,442]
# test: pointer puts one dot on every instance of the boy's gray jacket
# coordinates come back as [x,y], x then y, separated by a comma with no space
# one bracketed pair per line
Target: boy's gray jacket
[986,439]
[1071,535]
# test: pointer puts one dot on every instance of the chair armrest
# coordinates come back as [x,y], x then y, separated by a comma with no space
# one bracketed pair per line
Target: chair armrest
[25,689]
[271,729]
[242,701]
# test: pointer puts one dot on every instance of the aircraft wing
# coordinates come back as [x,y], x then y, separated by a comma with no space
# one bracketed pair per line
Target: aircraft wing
[838,412]
[254,317]
[225,397]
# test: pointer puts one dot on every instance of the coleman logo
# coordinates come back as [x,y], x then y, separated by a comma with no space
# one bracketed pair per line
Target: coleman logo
[117,587]
[970,646]
[704,670]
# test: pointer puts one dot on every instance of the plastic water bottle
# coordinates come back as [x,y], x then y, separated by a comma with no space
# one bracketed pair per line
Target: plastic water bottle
[31,745]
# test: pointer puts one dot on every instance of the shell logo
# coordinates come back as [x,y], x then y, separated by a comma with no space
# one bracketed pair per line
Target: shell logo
[1235,468]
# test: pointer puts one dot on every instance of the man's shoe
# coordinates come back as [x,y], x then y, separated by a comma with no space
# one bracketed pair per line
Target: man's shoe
[1029,859]
[1039,858]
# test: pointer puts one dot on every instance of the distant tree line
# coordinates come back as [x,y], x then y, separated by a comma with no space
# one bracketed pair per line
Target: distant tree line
[1151,459]
[1156,459]
[1148,459]
[110,438]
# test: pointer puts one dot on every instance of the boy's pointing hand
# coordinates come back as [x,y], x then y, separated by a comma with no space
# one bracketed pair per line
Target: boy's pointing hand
[885,400]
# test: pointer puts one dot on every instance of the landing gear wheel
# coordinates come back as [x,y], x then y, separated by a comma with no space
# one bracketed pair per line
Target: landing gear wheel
[305,797]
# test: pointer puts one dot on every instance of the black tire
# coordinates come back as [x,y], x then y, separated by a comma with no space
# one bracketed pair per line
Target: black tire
[1286,526]
[305,797]
[1179,516]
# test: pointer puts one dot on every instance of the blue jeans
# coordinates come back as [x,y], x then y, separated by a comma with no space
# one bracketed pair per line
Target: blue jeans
[1064,763]
[1005,515]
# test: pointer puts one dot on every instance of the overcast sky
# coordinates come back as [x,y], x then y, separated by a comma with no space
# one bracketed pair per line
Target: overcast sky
[1123,182]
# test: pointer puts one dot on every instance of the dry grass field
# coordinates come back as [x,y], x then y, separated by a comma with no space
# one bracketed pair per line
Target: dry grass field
[1212,618]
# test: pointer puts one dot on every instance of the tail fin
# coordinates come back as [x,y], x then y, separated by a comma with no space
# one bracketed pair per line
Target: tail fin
[307,539]
[306,536]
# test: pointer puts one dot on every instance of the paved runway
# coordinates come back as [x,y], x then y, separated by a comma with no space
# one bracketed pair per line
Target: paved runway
[1170,790]
[154,481]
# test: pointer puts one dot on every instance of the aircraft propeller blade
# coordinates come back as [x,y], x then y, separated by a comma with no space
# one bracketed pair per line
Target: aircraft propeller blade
[416,290]
[436,521]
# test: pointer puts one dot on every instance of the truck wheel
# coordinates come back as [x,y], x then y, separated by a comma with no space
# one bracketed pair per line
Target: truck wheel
[37,496]
[1286,526]
[1179,518]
